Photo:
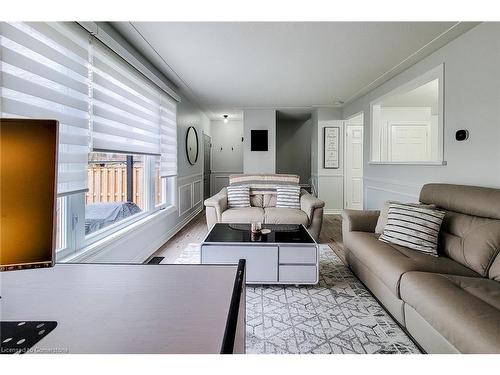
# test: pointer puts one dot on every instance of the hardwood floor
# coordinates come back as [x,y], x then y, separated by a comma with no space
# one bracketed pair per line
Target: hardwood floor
[196,230]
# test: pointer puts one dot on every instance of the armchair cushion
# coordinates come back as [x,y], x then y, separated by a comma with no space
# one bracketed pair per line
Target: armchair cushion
[360,221]
[308,203]
[218,202]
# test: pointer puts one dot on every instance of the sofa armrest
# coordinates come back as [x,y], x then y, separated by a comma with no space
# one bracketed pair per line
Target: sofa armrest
[359,221]
[308,203]
[218,202]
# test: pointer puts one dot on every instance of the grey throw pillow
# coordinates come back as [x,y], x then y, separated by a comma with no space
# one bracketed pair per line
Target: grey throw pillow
[413,227]
[288,196]
[382,219]
[238,196]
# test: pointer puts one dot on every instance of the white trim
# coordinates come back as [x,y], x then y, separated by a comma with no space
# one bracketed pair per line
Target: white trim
[430,75]
[332,211]
[391,191]
[167,236]
[430,163]
[190,184]
[193,203]
[86,253]
[391,182]
[194,175]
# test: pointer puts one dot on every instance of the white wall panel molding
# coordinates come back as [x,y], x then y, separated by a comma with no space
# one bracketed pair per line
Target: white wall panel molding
[196,192]
[185,198]
[378,190]
[197,176]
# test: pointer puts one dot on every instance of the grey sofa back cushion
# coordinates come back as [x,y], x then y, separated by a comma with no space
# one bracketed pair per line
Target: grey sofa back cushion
[470,233]
[263,200]
[471,241]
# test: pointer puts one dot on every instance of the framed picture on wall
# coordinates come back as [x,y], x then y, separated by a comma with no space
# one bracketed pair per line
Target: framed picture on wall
[331,147]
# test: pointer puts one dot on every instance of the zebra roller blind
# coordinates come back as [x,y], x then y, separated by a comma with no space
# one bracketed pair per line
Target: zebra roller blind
[59,71]
[45,74]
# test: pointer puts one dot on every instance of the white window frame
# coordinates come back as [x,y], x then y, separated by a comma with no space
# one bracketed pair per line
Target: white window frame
[74,227]
[431,75]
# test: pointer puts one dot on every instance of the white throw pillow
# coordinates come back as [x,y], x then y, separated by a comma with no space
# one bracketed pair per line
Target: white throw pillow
[413,227]
[382,219]
[238,196]
[288,196]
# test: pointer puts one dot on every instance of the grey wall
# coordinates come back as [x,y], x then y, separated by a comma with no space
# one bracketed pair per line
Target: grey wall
[227,147]
[137,245]
[259,161]
[190,115]
[293,147]
[471,101]
[328,184]
[227,152]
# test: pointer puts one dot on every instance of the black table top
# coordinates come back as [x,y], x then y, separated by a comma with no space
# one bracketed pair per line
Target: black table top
[280,233]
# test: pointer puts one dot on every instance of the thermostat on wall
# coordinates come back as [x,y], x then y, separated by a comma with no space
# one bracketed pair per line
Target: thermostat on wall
[462,135]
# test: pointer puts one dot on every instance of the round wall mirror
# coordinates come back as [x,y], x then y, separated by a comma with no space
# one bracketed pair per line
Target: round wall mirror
[192,145]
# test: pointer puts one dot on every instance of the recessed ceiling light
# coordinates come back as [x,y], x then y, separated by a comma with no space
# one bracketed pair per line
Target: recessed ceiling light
[225,118]
[338,102]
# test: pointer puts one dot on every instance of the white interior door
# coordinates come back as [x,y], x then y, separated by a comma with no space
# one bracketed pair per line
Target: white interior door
[409,142]
[354,168]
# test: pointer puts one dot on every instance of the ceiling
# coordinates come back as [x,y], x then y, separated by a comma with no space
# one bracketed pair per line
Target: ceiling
[423,96]
[225,67]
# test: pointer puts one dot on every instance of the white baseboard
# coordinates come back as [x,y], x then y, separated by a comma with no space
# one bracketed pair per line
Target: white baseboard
[168,235]
[332,211]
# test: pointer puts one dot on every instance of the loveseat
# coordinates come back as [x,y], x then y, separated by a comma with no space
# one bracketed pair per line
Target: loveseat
[450,303]
[263,204]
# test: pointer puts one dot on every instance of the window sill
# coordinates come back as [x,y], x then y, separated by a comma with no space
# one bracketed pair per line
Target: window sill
[88,251]
[423,163]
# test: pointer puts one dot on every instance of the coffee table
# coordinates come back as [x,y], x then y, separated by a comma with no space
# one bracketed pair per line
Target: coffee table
[287,255]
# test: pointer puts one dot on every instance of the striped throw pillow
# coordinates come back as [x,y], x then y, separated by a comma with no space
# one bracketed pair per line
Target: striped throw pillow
[238,196]
[288,196]
[414,227]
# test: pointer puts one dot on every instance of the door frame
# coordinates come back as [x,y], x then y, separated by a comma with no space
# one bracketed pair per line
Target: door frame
[203,166]
[346,125]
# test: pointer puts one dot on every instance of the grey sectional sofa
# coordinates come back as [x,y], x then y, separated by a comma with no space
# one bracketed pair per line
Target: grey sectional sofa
[263,207]
[449,304]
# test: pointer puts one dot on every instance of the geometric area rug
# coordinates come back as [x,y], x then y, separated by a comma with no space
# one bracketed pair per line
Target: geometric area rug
[337,315]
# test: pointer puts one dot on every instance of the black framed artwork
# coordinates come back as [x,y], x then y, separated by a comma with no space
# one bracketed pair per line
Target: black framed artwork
[258,140]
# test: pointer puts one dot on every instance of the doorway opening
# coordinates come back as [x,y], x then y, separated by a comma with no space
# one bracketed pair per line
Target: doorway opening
[353,165]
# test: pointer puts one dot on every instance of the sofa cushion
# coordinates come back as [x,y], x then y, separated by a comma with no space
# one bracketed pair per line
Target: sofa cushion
[382,219]
[243,215]
[389,262]
[465,310]
[494,271]
[414,227]
[274,215]
[470,233]
[257,200]
[470,240]
[469,200]
[288,196]
[269,200]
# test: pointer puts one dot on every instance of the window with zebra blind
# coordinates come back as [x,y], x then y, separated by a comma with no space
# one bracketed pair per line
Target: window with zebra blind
[118,128]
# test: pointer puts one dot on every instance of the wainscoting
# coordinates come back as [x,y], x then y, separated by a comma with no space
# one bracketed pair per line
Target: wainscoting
[377,191]
[331,190]
[189,193]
